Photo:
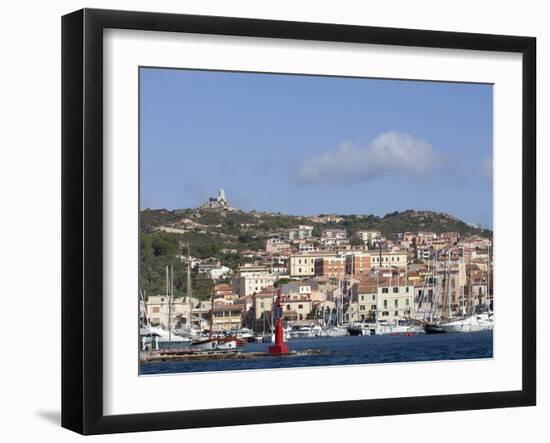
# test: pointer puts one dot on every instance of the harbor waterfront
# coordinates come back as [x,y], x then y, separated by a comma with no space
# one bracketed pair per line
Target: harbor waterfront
[347,350]
[326,238]
[419,296]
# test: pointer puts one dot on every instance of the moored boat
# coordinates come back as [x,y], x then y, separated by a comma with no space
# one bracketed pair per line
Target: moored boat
[336,331]
[360,329]
[433,328]
[205,345]
[472,323]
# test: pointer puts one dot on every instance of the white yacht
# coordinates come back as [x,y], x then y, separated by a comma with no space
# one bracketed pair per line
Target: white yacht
[161,335]
[317,331]
[472,323]
[401,327]
[336,331]
[301,332]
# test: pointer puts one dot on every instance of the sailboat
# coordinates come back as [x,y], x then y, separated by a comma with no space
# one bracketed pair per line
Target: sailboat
[158,334]
[471,323]
[431,323]
[338,330]
[478,321]
[212,343]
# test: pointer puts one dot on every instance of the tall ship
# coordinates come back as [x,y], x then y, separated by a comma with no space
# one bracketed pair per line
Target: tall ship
[434,305]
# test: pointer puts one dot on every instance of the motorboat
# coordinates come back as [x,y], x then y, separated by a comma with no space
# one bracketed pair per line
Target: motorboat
[361,329]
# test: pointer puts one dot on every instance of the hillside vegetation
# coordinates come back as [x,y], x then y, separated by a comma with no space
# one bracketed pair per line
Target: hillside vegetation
[224,234]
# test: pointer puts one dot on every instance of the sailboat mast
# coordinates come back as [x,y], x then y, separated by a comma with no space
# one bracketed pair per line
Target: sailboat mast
[448,278]
[462,283]
[189,304]
[167,293]
[488,277]
[211,311]
[171,301]
[435,288]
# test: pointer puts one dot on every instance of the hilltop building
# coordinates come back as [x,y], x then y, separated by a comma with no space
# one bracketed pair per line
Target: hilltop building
[219,202]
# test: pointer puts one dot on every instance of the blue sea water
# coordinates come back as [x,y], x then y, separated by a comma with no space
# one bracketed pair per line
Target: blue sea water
[347,351]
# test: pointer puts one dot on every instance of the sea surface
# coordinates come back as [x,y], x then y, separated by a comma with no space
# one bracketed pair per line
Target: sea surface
[349,350]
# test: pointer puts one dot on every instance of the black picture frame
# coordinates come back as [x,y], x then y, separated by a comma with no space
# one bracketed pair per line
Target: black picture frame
[82,218]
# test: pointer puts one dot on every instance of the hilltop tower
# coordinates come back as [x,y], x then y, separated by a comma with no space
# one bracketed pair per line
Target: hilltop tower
[222,199]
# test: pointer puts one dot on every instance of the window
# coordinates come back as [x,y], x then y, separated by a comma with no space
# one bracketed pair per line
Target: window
[299,270]
[288,307]
[300,261]
[385,313]
[385,304]
[362,307]
[396,303]
[373,307]
[300,306]
[396,313]
[407,289]
[373,297]
[395,290]
[384,290]
[407,302]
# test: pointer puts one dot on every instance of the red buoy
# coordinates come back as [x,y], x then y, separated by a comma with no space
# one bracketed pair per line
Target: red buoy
[279,347]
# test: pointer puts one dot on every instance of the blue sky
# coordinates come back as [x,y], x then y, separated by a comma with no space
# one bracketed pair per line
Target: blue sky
[307,145]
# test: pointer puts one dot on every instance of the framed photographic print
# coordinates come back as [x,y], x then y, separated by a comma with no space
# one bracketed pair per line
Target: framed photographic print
[268,221]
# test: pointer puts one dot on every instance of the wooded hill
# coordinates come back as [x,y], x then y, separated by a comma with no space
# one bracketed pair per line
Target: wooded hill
[224,234]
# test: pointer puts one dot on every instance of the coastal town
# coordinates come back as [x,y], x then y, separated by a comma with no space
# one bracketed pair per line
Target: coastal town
[325,281]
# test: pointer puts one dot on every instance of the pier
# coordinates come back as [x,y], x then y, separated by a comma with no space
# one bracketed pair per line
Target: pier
[186,355]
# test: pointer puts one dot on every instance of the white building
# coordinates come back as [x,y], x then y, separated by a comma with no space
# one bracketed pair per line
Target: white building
[302,232]
[388,259]
[251,279]
[336,234]
[369,235]
[219,202]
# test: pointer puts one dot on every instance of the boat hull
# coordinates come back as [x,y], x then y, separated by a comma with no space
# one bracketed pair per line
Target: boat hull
[433,329]
[209,345]
[472,323]
[228,345]
[336,332]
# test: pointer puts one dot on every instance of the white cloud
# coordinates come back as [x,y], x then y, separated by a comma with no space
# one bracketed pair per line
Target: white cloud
[487,170]
[388,153]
